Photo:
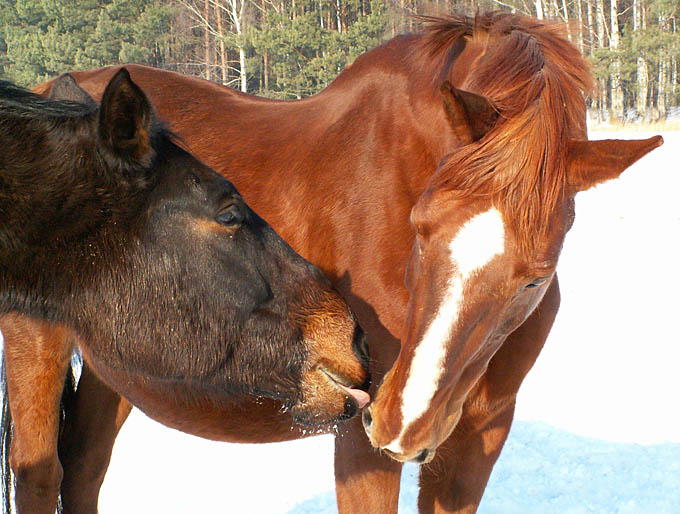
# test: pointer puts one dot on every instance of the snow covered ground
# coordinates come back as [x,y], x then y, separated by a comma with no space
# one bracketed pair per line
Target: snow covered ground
[598,419]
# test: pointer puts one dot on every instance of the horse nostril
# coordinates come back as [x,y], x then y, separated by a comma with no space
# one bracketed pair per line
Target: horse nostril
[367,420]
[421,457]
[351,409]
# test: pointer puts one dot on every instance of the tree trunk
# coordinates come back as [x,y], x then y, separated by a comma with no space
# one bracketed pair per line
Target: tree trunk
[265,57]
[602,43]
[642,86]
[579,9]
[337,14]
[642,69]
[223,57]
[206,39]
[242,63]
[616,87]
[601,25]
[591,30]
[662,86]
[674,76]
[674,65]
[237,14]
[539,9]
[565,15]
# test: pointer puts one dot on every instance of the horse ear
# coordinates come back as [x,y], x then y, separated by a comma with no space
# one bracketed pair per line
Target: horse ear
[125,119]
[593,162]
[65,87]
[471,116]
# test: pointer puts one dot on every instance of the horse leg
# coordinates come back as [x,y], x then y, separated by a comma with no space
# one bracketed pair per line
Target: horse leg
[91,426]
[37,358]
[365,480]
[455,481]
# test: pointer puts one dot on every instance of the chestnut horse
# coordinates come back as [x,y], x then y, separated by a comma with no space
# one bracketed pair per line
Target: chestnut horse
[115,240]
[498,100]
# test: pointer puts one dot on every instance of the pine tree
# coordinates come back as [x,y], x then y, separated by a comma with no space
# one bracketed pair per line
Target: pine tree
[43,39]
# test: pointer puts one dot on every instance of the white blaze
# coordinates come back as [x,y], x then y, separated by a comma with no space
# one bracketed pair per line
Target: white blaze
[473,247]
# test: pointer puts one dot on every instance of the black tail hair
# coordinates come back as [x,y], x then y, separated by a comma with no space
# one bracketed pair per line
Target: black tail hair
[6,431]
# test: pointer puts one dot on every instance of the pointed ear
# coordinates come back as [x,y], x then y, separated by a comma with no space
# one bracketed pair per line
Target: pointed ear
[65,87]
[471,116]
[125,119]
[593,162]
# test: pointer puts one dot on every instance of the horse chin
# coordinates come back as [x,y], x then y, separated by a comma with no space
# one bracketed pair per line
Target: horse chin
[328,398]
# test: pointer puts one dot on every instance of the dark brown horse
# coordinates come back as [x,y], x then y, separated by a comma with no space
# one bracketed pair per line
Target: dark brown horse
[450,158]
[116,241]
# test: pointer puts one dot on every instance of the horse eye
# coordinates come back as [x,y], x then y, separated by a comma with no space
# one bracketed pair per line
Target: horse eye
[535,283]
[193,179]
[231,216]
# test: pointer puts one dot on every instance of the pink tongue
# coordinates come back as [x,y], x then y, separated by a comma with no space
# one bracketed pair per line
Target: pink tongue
[360,396]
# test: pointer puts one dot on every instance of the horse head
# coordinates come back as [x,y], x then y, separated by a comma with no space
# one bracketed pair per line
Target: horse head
[489,229]
[176,291]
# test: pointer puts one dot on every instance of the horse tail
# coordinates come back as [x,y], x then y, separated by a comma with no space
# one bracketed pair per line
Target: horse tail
[68,397]
[7,429]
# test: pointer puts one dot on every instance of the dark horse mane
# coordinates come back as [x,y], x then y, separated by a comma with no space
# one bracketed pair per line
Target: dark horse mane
[22,103]
[28,123]
[536,81]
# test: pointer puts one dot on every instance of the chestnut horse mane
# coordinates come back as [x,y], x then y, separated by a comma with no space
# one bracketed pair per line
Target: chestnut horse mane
[536,80]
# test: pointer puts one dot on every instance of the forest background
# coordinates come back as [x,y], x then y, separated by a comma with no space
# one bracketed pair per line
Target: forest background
[294,48]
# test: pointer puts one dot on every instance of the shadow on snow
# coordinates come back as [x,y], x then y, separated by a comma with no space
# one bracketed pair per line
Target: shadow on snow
[544,470]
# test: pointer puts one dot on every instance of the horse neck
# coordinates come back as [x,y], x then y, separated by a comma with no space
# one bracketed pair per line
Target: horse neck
[54,186]
[57,208]
[372,138]
[380,117]
[386,100]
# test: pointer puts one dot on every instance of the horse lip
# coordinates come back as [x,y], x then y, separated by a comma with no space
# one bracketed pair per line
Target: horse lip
[423,457]
[395,456]
[337,379]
